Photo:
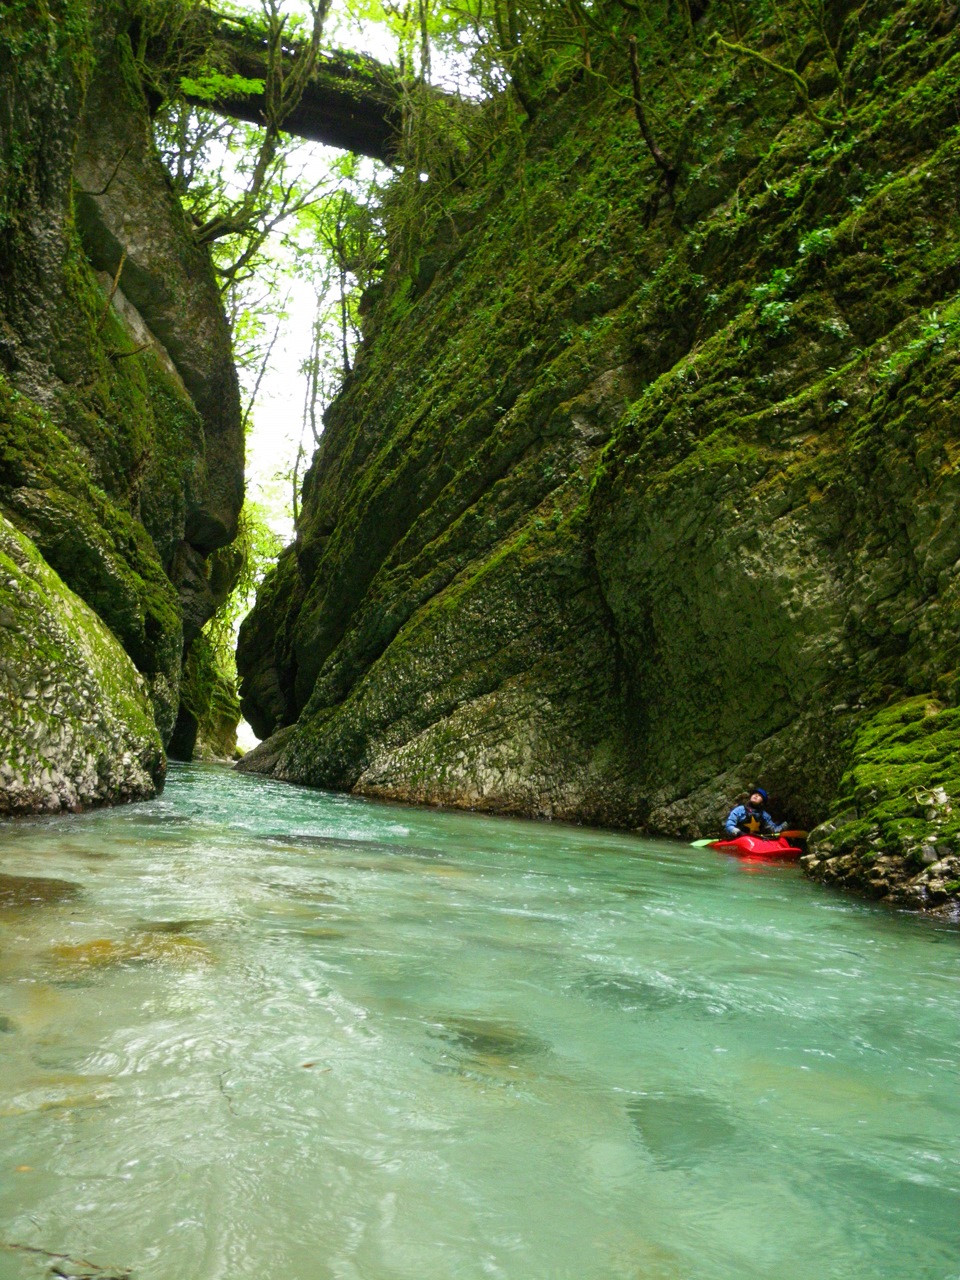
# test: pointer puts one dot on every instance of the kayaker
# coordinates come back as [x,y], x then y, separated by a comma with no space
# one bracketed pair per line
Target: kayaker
[751,819]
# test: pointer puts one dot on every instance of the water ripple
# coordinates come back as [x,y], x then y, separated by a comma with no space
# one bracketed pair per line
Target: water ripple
[276,1032]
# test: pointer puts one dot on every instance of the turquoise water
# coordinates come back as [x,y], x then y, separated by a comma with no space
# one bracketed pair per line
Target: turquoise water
[282,1034]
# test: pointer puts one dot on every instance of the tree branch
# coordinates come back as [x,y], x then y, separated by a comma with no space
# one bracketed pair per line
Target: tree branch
[801,85]
[669,170]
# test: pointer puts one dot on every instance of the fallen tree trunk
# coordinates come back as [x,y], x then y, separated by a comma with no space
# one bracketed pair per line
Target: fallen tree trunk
[350,101]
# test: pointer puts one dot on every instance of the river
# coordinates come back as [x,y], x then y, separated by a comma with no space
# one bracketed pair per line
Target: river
[262,1031]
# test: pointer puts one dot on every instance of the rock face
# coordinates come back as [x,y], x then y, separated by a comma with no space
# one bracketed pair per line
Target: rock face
[76,726]
[126,210]
[634,499]
[206,727]
[121,454]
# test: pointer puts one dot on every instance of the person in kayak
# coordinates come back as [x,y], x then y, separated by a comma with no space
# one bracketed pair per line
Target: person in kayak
[751,819]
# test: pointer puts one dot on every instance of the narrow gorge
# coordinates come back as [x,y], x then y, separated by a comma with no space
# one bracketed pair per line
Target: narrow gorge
[451,456]
[644,489]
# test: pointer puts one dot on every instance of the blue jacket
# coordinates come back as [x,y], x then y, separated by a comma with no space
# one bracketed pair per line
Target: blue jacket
[745,821]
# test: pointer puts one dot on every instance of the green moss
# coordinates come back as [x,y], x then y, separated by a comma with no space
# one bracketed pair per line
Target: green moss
[47,53]
[900,757]
[209,707]
[138,430]
[93,543]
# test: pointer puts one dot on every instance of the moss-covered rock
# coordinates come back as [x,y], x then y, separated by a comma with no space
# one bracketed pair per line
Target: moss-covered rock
[121,452]
[895,829]
[633,501]
[76,728]
[99,549]
[206,727]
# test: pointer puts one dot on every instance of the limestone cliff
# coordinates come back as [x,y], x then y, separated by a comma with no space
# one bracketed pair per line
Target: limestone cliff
[121,453]
[639,495]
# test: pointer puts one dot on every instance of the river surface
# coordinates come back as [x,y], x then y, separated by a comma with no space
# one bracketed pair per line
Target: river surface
[283,1034]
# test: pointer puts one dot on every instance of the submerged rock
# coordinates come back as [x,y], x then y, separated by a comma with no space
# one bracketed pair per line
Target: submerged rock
[682,1130]
[145,948]
[76,726]
[34,891]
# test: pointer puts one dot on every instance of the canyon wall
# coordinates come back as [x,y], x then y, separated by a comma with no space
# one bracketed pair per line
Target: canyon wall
[643,493]
[121,450]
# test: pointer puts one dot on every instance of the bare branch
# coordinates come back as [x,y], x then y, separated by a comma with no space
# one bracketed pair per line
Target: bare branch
[113,289]
[263,365]
[669,170]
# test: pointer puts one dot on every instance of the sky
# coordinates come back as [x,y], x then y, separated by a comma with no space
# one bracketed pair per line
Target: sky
[277,419]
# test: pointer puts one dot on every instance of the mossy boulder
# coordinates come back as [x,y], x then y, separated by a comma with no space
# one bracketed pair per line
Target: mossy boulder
[895,827]
[76,725]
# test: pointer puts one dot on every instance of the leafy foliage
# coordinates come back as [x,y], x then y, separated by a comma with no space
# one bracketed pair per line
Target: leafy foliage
[237,181]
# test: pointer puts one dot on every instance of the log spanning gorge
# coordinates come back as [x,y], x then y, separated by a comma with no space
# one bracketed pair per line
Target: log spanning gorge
[349,100]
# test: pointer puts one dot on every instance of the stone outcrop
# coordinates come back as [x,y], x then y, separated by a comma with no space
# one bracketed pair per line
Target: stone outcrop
[121,452]
[635,498]
[76,728]
[131,223]
[206,727]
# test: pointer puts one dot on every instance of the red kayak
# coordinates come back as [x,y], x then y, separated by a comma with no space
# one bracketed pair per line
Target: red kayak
[757,847]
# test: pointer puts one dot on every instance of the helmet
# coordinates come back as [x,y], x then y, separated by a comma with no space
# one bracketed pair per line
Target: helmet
[759,791]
